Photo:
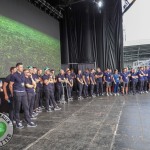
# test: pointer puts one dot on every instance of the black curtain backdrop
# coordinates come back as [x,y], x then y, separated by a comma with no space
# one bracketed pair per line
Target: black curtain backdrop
[90,35]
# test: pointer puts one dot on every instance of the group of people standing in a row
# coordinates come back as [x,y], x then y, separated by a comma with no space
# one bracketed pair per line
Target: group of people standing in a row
[113,83]
[28,87]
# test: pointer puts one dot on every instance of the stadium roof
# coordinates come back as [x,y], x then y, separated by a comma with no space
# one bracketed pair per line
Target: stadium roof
[139,42]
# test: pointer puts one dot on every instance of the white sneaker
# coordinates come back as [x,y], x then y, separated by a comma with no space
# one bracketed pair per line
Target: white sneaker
[107,94]
[110,94]
[31,124]
[57,108]
[114,94]
[19,126]
[118,94]
[10,124]
[146,91]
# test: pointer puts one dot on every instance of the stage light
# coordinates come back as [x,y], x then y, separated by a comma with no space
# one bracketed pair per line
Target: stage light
[100,4]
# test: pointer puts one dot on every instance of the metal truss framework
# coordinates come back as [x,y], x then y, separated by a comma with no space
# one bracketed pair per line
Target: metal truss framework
[136,52]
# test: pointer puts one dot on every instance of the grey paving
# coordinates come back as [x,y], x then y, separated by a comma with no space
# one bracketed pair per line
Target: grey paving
[103,123]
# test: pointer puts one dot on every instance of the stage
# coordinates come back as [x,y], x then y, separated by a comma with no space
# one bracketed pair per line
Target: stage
[103,123]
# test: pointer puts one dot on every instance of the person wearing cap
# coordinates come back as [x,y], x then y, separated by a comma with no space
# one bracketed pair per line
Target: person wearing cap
[69,84]
[60,80]
[33,72]
[30,85]
[18,91]
[80,84]
[39,90]
[46,87]
[37,79]
[54,78]
[52,101]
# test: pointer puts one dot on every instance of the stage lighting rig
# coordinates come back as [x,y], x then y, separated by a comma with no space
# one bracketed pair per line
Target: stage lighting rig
[100,4]
[126,5]
[48,8]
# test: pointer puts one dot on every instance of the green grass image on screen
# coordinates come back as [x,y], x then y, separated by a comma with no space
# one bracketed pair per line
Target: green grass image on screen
[20,43]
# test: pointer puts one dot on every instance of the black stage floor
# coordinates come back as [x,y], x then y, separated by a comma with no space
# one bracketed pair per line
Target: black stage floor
[104,123]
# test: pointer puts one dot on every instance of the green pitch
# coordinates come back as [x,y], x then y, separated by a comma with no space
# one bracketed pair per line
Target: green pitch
[20,43]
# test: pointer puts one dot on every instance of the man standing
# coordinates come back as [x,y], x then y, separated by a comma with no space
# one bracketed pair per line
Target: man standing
[17,89]
[69,85]
[7,94]
[52,101]
[116,79]
[145,79]
[99,82]
[80,84]
[125,79]
[39,91]
[86,80]
[92,83]
[141,80]
[134,80]
[30,85]
[60,80]
[108,81]
[149,79]
[46,87]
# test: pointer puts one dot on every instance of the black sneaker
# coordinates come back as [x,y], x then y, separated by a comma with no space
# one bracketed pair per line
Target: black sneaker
[31,124]
[19,126]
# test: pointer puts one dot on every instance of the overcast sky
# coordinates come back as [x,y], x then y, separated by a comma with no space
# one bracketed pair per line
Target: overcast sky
[137,21]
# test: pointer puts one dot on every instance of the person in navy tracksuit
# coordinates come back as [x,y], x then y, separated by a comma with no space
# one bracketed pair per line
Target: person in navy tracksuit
[99,82]
[30,86]
[125,79]
[86,81]
[141,80]
[18,91]
[60,80]
[80,84]
[108,81]
[7,94]
[134,80]
[92,82]
[145,79]
[69,85]
[116,79]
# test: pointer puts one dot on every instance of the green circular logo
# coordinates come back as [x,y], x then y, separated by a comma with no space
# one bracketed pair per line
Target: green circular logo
[6,129]
[3,128]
